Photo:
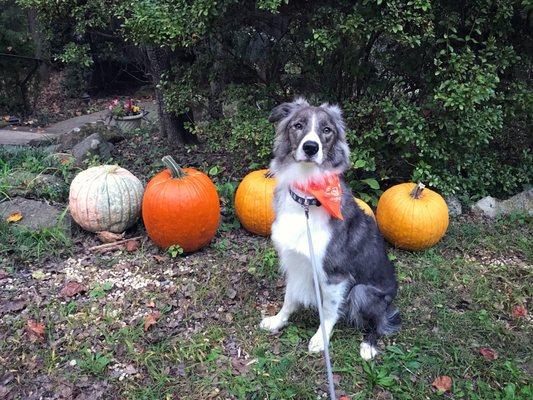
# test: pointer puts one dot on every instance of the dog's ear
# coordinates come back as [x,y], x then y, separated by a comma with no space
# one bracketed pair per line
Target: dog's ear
[283,110]
[335,114]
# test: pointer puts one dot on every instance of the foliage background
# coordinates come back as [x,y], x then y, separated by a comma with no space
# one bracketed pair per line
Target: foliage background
[438,91]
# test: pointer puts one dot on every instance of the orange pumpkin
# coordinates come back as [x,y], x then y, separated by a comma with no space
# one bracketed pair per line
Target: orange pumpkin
[412,217]
[253,202]
[181,207]
[365,207]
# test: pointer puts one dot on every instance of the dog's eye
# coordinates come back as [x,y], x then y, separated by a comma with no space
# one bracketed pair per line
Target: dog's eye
[298,126]
[326,130]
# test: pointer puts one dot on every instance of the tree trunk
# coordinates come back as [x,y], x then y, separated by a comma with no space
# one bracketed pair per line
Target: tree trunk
[171,126]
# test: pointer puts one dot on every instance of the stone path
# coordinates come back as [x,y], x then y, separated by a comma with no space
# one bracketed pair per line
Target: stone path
[21,137]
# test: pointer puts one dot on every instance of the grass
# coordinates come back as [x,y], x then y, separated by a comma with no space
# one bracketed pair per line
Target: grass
[456,298]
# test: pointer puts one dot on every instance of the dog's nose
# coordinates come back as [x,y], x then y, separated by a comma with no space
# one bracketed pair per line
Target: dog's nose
[310,148]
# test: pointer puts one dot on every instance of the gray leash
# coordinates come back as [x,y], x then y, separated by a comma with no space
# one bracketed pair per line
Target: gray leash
[319,306]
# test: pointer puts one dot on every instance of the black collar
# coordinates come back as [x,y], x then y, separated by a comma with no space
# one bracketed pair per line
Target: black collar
[304,201]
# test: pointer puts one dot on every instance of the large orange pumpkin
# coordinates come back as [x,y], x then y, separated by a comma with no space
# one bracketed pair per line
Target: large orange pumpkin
[412,217]
[365,207]
[253,202]
[181,207]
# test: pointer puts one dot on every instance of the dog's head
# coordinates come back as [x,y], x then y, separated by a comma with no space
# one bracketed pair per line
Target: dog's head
[309,135]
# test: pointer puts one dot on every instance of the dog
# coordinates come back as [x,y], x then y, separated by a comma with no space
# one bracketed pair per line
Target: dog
[357,279]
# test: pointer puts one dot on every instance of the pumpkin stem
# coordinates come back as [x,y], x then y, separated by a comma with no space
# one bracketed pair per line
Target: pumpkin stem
[172,165]
[417,191]
[269,174]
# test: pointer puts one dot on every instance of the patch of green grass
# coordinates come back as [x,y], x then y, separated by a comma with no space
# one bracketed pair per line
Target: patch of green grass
[22,170]
[25,245]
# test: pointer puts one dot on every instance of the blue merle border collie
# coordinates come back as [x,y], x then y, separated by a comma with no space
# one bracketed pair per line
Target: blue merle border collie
[357,279]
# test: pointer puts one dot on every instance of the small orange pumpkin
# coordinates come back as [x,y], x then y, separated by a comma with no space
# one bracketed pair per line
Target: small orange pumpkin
[253,202]
[412,217]
[365,207]
[181,207]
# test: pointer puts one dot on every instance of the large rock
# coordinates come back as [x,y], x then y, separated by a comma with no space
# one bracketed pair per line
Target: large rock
[454,206]
[519,203]
[93,145]
[35,214]
[491,207]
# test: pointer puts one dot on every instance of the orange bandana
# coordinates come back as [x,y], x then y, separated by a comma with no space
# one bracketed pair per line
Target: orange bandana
[328,191]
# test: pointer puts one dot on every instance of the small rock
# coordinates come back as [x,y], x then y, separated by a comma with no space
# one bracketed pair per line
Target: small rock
[454,206]
[486,206]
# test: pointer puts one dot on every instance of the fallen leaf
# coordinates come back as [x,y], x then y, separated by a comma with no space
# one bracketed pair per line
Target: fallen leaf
[150,304]
[12,306]
[151,319]
[442,383]
[519,312]
[159,259]
[488,353]
[14,217]
[132,245]
[35,329]
[240,366]
[109,237]
[72,288]
[344,397]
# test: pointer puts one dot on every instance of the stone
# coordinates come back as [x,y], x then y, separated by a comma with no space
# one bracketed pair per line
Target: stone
[23,183]
[519,203]
[93,145]
[486,206]
[454,206]
[77,135]
[35,214]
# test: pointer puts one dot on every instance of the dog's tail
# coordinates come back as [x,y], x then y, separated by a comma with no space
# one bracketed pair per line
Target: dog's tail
[368,303]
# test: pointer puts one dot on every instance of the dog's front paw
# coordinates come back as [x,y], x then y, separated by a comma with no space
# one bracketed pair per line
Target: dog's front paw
[316,344]
[272,324]
[367,351]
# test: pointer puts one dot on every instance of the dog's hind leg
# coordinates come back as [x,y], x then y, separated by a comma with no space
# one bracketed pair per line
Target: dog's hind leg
[371,308]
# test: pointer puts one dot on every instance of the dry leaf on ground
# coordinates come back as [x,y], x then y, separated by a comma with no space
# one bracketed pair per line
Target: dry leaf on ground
[151,319]
[72,288]
[35,329]
[442,383]
[12,306]
[132,245]
[519,312]
[14,217]
[109,237]
[488,353]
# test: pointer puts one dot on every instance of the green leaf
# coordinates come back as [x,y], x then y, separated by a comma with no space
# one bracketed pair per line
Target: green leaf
[213,171]
[371,182]
[360,164]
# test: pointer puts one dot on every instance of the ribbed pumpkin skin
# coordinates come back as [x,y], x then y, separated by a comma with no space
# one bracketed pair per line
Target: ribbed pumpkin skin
[253,202]
[183,211]
[408,223]
[105,198]
[365,207]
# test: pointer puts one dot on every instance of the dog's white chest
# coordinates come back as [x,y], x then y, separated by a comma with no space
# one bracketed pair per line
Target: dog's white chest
[289,230]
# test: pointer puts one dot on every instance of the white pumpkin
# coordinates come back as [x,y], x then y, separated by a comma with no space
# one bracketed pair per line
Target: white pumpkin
[105,198]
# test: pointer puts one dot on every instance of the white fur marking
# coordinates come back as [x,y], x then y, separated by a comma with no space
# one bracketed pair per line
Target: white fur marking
[367,351]
[313,136]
